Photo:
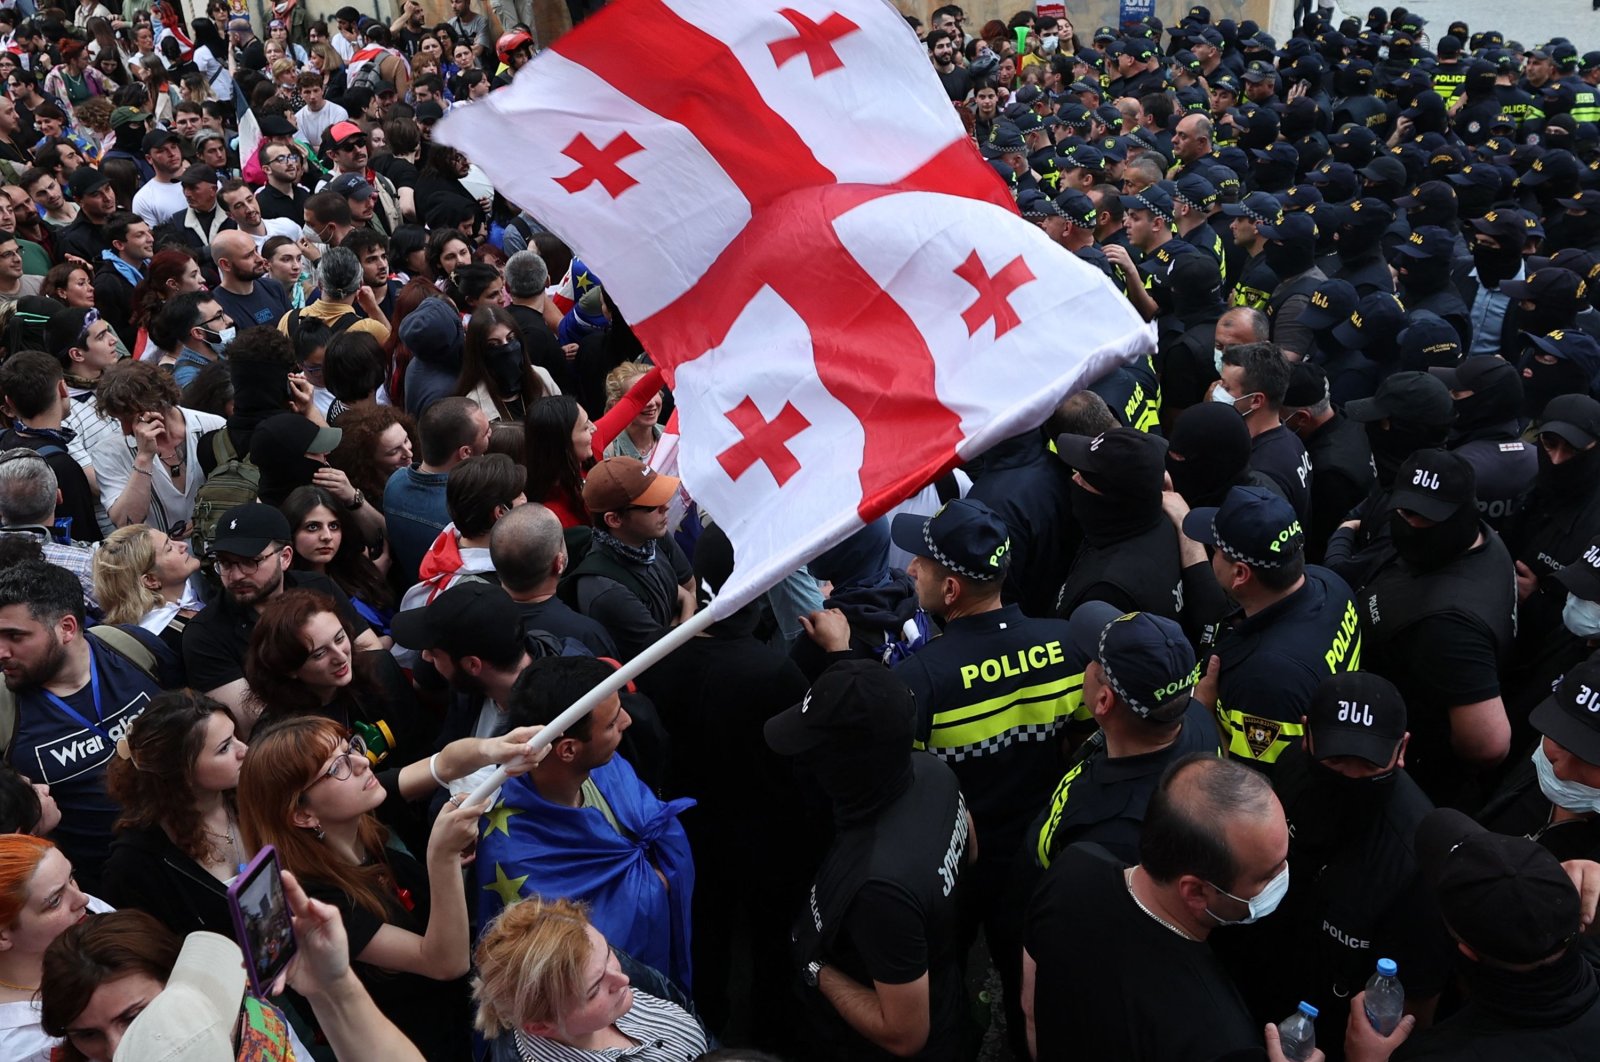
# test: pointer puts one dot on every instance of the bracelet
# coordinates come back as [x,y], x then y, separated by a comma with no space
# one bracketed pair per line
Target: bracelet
[143,471]
[433,770]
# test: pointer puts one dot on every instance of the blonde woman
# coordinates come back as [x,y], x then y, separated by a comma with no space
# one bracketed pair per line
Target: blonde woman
[141,576]
[546,977]
[638,439]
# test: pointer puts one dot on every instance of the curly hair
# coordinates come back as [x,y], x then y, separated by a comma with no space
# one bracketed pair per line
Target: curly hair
[357,453]
[133,387]
[120,564]
[278,649]
[154,783]
[284,761]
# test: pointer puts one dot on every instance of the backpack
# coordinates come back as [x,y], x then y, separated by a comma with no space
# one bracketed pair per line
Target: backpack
[114,638]
[370,73]
[338,326]
[234,481]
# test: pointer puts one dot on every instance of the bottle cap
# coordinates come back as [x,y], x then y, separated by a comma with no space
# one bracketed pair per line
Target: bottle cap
[1308,1010]
[1387,967]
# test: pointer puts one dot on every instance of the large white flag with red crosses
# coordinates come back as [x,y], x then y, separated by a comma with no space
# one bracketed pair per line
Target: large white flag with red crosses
[781,200]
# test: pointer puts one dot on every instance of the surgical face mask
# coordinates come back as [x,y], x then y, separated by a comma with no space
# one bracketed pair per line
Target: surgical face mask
[1048,43]
[1573,796]
[1261,904]
[1216,356]
[1219,394]
[1581,617]
[223,338]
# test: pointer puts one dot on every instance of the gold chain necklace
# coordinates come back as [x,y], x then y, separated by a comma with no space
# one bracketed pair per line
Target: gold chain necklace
[19,988]
[1127,879]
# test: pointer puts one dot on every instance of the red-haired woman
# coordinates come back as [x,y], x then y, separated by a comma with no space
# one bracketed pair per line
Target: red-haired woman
[38,901]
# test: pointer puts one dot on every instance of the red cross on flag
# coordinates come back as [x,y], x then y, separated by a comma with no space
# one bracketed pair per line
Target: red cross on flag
[781,200]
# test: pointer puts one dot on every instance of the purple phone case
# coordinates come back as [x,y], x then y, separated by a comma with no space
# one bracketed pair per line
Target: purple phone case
[266,858]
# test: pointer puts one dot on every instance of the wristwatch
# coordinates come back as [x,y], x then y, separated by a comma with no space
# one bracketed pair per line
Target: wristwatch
[359,500]
[811,973]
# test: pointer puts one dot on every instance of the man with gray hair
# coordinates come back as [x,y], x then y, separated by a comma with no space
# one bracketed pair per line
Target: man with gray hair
[28,499]
[527,277]
[529,554]
[339,277]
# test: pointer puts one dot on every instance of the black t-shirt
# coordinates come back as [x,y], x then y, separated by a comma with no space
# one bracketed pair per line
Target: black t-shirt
[541,346]
[1278,454]
[265,305]
[957,83]
[276,204]
[1113,983]
[77,499]
[555,616]
[434,1015]
[215,641]
[402,173]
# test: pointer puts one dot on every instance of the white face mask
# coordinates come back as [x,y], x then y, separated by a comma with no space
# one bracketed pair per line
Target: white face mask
[1581,617]
[1262,904]
[1220,394]
[1216,353]
[1573,796]
[1049,43]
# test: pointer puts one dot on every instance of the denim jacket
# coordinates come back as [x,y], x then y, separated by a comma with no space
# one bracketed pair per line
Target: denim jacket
[415,510]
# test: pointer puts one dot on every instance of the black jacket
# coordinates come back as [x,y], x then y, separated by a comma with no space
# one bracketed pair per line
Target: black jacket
[145,870]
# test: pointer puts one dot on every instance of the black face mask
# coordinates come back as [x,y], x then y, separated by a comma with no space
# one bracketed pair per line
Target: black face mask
[1391,447]
[1356,245]
[1542,382]
[1425,275]
[1109,518]
[1429,548]
[1572,478]
[505,366]
[1542,319]
[1334,805]
[1288,260]
[1483,409]
[1573,230]
[860,779]
[1495,265]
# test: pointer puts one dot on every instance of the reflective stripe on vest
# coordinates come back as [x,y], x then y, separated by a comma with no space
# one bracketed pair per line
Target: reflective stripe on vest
[1251,737]
[1030,713]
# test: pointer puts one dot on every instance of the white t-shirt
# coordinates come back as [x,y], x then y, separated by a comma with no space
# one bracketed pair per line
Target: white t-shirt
[112,458]
[156,202]
[312,123]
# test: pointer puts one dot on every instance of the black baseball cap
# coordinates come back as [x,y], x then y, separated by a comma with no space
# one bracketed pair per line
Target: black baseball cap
[1295,228]
[1378,315]
[1427,241]
[1116,461]
[853,702]
[1556,165]
[1430,340]
[1263,208]
[1411,397]
[247,530]
[1477,373]
[1509,225]
[1434,484]
[1150,665]
[1506,898]
[1356,713]
[275,125]
[1308,385]
[1570,716]
[965,536]
[1330,302]
[1552,287]
[471,618]
[86,180]
[1575,418]
[1077,208]
[156,138]
[1154,199]
[1253,525]
[1582,577]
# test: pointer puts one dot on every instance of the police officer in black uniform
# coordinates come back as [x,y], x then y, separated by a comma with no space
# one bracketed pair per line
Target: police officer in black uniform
[1437,617]
[1357,894]
[1129,556]
[1294,625]
[1423,261]
[1488,395]
[879,932]
[1291,252]
[1338,449]
[1254,282]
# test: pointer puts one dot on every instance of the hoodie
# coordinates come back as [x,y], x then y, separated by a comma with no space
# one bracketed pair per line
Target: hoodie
[433,334]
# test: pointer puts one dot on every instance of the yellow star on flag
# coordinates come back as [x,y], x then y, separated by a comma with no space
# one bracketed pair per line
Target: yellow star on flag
[498,817]
[584,282]
[508,889]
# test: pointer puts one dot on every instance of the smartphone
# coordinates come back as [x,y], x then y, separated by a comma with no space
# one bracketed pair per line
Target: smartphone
[261,920]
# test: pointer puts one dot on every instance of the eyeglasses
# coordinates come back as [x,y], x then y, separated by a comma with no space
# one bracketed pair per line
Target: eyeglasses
[343,765]
[287,156]
[227,564]
[213,317]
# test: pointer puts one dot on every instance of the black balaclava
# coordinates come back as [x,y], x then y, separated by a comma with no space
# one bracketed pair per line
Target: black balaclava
[1567,229]
[506,366]
[278,449]
[1490,405]
[1215,446]
[1496,263]
[1392,445]
[1123,508]
[1424,276]
[860,777]
[1573,478]
[1430,548]
[1541,382]
[1545,318]
[1287,259]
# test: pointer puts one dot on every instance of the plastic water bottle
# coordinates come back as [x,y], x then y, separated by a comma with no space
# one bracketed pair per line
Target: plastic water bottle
[1386,999]
[1297,1034]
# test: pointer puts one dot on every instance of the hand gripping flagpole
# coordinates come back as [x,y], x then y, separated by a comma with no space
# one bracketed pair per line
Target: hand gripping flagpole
[589,701]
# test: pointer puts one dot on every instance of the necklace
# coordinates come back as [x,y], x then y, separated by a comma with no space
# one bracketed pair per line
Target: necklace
[19,988]
[1127,879]
[230,853]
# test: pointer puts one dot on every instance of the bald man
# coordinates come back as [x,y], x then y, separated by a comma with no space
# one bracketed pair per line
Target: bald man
[248,295]
[1191,144]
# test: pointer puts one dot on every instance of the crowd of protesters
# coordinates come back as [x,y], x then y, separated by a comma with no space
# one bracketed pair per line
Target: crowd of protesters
[327,480]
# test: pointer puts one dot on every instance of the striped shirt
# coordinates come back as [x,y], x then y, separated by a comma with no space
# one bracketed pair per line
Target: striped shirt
[662,1031]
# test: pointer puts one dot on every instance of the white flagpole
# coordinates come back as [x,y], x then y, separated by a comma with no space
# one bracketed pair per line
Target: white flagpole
[585,704]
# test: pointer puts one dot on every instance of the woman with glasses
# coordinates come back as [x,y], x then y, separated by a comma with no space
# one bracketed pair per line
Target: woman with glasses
[308,790]
[142,576]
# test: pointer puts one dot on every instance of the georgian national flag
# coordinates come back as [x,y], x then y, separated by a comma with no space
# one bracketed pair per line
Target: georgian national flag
[781,200]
